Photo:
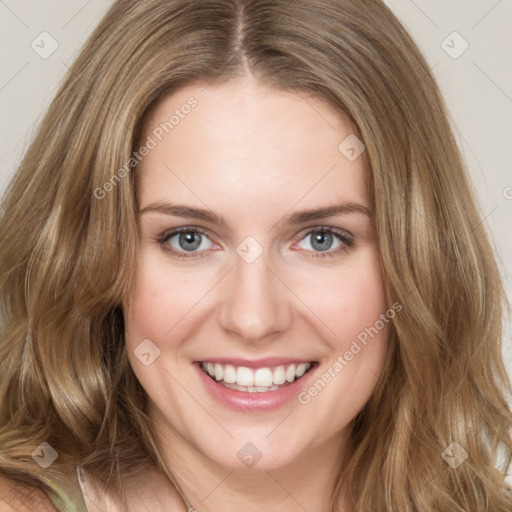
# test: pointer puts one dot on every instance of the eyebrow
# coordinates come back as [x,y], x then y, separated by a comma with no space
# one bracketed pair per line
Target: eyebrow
[178,210]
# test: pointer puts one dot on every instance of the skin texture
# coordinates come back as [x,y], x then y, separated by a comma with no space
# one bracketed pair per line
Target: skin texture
[253,155]
[18,497]
[148,492]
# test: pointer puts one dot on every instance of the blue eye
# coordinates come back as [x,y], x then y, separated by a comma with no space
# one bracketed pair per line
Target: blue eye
[326,241]
[322,240]
[192,242]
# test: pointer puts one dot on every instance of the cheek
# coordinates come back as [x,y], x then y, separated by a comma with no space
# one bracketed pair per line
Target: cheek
[348,299]
[160,299]
[355,309]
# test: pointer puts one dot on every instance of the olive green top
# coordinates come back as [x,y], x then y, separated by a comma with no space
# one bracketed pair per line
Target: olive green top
[66,495]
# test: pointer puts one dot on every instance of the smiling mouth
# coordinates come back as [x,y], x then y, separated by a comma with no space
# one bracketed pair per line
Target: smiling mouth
[257,380]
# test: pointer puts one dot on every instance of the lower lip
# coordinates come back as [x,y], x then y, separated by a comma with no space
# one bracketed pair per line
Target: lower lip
[245,401]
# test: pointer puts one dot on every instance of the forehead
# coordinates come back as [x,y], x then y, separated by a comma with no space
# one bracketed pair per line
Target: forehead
[247,143]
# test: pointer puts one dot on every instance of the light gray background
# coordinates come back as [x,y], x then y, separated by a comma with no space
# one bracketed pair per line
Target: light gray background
[477,86]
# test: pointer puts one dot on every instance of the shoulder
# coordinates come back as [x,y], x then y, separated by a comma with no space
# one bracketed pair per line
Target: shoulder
[147,490]
[20,497]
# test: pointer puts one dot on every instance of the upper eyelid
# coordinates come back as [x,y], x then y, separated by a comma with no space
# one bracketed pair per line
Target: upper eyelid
[321,227]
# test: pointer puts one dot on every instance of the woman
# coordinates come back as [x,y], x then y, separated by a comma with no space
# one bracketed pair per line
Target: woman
[242,268]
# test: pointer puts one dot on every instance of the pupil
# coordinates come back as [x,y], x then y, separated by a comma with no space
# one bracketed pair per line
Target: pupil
[189,240]
[322,241]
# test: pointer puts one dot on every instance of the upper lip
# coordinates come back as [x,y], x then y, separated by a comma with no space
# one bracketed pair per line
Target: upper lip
[255,363]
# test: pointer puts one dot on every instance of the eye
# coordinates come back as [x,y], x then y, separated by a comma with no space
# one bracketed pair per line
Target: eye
[186,242]
[193,242]
[324,241]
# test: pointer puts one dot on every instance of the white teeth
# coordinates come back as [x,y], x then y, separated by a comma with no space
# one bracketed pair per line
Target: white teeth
[229,374]
[279,377]
[263,377]
[301,369]
[290,373]
[219,372]
[259,380]
[250,389]
[244,376]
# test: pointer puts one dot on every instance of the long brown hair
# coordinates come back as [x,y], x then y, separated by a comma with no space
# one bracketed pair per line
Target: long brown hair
[69,249]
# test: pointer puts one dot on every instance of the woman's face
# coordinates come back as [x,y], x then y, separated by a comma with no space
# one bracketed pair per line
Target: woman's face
[275,271]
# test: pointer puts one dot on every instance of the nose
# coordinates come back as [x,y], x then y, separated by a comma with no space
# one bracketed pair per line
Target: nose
[256,305]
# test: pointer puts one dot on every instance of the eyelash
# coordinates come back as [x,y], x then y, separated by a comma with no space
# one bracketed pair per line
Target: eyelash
[347,242]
